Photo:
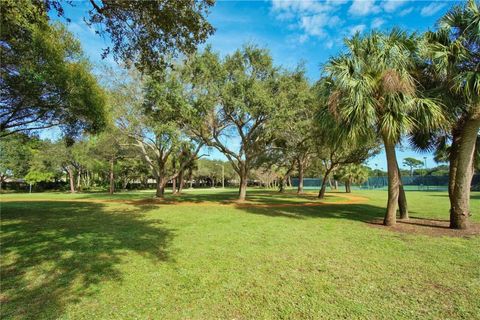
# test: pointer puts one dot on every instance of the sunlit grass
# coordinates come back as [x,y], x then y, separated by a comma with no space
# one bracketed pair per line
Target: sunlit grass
[117,260]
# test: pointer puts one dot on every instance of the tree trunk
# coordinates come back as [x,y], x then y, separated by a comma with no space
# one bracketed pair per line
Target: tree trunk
[321,193]
[281,184]
[243,185]
[300,177]
[402,203]
[112,178]
[125,183]
[347,186]
[174,185]
[402,199]
[181,182]
[71,179]
[330,183]
[160,193]
[460,195]
[453,157]
[393,184]
[78,180]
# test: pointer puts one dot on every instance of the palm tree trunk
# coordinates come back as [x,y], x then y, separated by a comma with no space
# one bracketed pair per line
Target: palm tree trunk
[453,157]
[393,184]
[402,203]
[402,199]
[460,193]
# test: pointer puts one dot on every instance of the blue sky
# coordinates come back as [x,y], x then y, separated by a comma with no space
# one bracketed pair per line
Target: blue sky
[293,31]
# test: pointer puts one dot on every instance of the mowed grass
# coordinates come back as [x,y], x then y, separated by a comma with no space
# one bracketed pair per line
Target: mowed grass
[99,258]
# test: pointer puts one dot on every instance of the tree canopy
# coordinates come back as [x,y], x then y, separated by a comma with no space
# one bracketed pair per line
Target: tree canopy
[45,79]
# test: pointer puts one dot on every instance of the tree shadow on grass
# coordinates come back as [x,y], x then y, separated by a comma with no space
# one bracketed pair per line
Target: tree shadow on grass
[54,253]
[372,216]
[356,212]
[267,197]
[474,195]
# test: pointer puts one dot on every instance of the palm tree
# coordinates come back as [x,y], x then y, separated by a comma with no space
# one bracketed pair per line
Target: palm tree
[453,68]
[352,174]
[376,91]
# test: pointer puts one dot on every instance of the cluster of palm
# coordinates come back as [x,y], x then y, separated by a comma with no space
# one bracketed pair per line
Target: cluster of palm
[424,87]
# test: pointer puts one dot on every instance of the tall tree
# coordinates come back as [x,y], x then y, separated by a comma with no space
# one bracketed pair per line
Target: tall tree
[453,66]
[293,139]
[237,97]
[16,152]
[155,118]
[375,91]
[351,174]
[141,32]
[412,163]
[45,80]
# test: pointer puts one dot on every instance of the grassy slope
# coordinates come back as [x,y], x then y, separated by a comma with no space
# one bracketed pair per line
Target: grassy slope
[88,260]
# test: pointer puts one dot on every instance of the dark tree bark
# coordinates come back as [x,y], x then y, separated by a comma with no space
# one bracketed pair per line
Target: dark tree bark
[402,199]
[459,188]
[393,184]
[402,203]
[281,184]
[348,186]
[321,193]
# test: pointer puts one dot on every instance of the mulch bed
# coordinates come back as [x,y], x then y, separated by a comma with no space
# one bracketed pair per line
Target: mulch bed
[428,227]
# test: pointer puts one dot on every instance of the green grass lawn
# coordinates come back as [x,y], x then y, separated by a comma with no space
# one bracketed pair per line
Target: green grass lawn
[202,259]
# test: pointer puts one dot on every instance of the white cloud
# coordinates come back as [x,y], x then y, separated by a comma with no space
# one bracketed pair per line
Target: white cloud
[392,5]
[406,11]
[377,23]
[295,7]
[358,28]
[315,25]
[302,38]
[312,18]
[363,7]
[324,19]
[431,9]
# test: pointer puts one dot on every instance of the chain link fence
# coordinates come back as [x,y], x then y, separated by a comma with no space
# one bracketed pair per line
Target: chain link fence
[433,183]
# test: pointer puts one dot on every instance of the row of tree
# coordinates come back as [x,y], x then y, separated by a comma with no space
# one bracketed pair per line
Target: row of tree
[383,88]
